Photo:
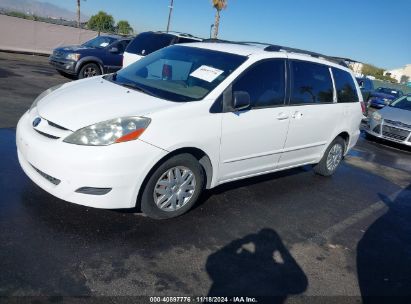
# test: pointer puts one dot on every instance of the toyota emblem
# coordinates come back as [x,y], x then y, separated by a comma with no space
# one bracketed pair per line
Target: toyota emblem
[36,121]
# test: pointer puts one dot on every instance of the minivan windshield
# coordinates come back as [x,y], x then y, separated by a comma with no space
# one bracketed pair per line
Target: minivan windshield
[392,92]
[403,103]
[179,73]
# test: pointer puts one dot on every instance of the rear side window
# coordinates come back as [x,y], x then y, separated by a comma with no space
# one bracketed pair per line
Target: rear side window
[264,82]
[121,45]
[345,86]
[186,40]
[310,83]
[146,43]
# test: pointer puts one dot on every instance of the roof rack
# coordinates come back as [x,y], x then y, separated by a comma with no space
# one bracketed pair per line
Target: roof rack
[278,48]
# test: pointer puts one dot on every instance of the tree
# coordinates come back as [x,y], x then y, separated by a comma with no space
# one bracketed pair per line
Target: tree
[219,5]
[101,22]
[124,28]
[78,13]
[371,70]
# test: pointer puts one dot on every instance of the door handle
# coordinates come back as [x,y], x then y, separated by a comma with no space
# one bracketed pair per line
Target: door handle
[282,116]
[297,115]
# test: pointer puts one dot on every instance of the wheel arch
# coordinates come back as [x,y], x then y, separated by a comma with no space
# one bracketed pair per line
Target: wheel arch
[346,137]
[89,59]
[199,154]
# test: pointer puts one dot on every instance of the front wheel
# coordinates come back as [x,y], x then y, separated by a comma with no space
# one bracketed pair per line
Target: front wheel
[173,188]
[89,70]
[331,159]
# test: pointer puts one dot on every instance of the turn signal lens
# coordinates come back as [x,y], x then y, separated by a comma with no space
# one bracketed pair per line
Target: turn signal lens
[363,107]
[131,136]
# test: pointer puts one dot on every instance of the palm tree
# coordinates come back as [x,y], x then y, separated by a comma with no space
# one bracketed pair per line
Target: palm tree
[219,5]
[78,13]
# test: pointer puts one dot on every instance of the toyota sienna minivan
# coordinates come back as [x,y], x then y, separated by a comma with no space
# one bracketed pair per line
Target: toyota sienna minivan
[188,118]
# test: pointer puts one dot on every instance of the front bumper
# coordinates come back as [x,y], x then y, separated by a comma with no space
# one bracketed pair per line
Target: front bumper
[65,65]
[61,169]
[388,131]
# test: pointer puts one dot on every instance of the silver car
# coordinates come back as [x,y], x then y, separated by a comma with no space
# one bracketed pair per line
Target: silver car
[392,122]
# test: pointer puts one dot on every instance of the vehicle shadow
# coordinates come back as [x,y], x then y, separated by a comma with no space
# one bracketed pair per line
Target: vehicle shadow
[257,265]
[247,182]
[384,253]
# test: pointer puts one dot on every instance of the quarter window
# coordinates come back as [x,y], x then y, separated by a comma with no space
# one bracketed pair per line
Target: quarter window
[310,83]
[344,84]
[264,82]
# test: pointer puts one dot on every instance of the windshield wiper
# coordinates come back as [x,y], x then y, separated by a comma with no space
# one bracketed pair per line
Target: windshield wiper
[133,86]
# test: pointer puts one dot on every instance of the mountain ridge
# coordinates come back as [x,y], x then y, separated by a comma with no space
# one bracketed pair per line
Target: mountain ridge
[42,9]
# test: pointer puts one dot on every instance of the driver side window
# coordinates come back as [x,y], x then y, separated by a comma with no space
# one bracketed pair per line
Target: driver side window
[264,82]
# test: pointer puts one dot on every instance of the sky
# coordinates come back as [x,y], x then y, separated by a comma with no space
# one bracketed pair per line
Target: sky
[370,31]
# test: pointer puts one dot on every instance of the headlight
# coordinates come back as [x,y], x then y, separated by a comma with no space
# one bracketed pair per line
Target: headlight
[42,95]
[386,101]
[73,56]
[376,116]
[110,132]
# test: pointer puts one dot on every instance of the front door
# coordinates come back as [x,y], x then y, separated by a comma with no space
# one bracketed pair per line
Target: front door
[252,140]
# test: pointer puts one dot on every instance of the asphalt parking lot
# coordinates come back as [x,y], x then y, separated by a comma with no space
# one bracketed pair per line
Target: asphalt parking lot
[290,234]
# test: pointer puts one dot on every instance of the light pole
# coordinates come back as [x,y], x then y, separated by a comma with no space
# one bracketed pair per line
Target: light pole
[169,14]
[211,29]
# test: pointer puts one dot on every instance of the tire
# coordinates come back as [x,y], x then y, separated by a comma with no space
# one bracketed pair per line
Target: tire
[89,70]
[337,146]
[154,205]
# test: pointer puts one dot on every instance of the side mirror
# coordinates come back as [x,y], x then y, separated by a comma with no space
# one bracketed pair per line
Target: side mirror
[241,100]
[361,84]
[113,50]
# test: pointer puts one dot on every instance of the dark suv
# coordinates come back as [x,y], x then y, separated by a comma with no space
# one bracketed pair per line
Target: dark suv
[366,87]
[103,54]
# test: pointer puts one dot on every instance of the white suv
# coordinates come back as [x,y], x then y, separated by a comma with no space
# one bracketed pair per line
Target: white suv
[188,118]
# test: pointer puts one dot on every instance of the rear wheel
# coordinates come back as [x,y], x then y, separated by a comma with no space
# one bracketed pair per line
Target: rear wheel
[173,188]
[332,158]
[89,70]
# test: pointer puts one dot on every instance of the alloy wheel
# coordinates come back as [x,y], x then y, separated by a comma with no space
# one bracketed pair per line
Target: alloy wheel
[174,188]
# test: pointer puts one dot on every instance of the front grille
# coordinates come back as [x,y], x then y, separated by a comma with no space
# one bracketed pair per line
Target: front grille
[58,54]
[377,129]
[51,179]
[397,124]
[52,124]
[47,135]
[395,133]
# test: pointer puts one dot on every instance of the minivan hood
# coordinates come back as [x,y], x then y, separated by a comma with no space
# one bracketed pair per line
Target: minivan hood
[396,114]
[85,102]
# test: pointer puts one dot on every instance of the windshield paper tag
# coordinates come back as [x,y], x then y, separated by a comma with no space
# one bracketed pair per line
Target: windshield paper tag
[206,73]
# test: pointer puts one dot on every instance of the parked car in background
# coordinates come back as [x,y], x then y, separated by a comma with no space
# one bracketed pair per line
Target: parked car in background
[148,42]
[366,86]
[382,97]
[216,113]
[392,122]
[103,54]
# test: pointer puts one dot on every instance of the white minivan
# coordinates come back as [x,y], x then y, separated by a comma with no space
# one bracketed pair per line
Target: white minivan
[188,118]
